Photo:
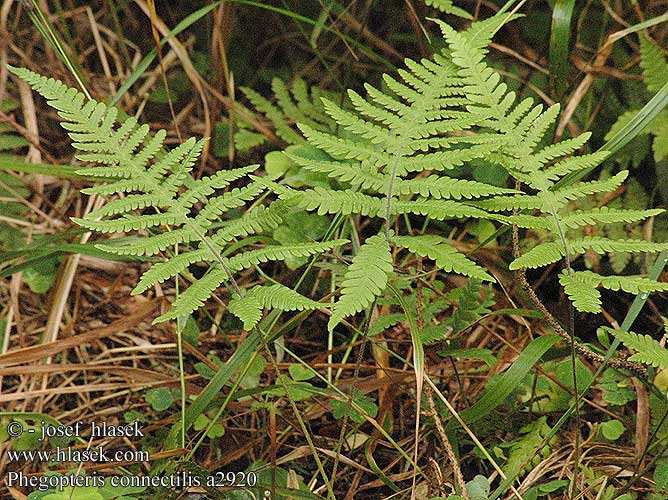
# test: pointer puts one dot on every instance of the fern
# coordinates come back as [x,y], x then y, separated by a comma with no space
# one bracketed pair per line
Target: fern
[446,7]
[519,129]
[523,448]
[294,103]
[365,279]
[581,287]
[649,350]
[655,68]
[249,307]
[163,201]
[446,257]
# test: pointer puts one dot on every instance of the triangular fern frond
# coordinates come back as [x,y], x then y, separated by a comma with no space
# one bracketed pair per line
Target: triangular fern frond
[162,195]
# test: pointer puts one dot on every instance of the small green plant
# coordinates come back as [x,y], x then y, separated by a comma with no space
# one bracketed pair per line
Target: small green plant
[134,164]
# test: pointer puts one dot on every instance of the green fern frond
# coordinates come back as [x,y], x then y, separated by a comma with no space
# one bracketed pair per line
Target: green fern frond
[329,201]
[446,7]
[181,210]
[582,189]
[256,220]
[365,279]
[249,307]
[444,254]
[293,104]
[649,350]
[585,297]
[274,114]
[582,286]
[162,271]
[252,258]
[606,215]
[447,187]
[654,65]
[548,253]
[196,294]
[581,218]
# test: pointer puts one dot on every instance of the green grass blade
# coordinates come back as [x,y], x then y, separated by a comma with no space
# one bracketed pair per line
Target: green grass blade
[560,37]
[498,391]
[18,164]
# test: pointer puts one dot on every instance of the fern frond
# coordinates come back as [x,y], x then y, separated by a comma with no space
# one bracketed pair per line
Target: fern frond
[162,271]
[649,350]
[582,189]
[444,254]
[654,65]
[547,253]
[585,297]
[365,279]
[254,221]
[195,295]
[182,209]
[274,114]
[293,104]
[438,209]
[582,286]
[607,216]
[446,7]
[252,258]
[446,187]
[249,307]
[328,201]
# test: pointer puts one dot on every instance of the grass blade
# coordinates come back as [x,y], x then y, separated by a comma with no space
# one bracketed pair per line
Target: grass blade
[560,37]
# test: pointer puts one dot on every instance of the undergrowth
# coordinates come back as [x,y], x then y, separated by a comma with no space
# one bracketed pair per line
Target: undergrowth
[397,214]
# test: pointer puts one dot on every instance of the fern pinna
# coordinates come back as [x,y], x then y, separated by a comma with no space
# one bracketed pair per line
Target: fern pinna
[176,208]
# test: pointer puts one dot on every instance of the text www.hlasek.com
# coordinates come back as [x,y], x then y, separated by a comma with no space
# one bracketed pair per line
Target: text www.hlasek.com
[68,454]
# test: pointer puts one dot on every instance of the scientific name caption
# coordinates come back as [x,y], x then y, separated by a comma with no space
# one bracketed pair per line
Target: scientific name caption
[99,454]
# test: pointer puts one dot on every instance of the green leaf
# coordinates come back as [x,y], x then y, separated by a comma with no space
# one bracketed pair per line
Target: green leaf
[159,398]
[612,429]
[660,476]
[41,275]
[340,408]
[365,279]
[560,34]
[299,372]
[478,488]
